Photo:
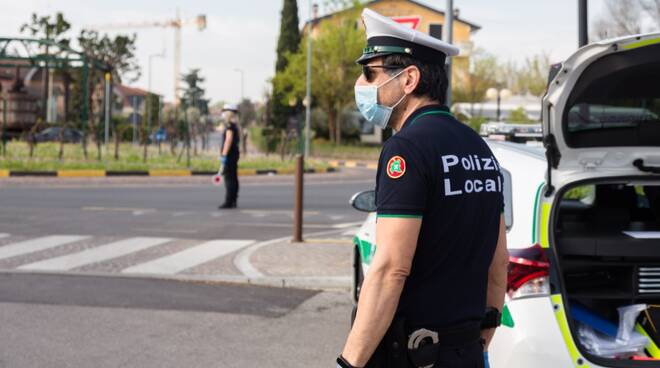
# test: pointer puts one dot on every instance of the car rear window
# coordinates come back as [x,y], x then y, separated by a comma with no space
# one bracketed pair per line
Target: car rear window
[616,102]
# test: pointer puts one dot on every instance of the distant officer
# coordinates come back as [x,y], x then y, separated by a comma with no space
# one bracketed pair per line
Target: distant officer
[441,256]
[229,155]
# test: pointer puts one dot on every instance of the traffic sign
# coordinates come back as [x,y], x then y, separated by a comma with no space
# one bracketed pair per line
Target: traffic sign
[411,21]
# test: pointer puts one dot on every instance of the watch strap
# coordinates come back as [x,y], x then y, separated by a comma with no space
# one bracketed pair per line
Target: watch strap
[342,363]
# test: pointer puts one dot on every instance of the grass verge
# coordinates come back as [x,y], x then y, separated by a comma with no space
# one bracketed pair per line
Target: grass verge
[45,158]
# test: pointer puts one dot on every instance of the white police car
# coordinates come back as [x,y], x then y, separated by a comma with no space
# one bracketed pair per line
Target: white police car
[582,215]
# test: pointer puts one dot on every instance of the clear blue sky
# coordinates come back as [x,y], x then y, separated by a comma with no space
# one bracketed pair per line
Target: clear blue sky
[243,34]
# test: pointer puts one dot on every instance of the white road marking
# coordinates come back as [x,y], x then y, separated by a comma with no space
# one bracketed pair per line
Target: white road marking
[278,212]
[142,212]
[4,235]
[120,209]
[98,254]
[155,230]
[191,257]
[179,214]
[38,244]
[347,225]
[351,232]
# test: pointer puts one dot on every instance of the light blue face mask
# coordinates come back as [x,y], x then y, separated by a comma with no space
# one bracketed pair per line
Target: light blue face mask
[366,99]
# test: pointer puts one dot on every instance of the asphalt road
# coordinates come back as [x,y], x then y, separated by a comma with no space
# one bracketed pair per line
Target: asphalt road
[183,208]
[73,321]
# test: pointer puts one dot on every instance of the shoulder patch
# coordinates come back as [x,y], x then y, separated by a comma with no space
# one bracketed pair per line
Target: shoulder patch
[396,167]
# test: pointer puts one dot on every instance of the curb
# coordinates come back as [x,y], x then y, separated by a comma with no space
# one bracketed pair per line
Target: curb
[353,164]
[298,282]
[153,173]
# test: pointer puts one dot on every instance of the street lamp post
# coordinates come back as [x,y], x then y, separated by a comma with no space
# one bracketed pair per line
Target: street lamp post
[498,94]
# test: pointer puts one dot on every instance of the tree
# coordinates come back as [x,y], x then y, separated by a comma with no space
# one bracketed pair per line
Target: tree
[194,106]
[532,77]
[627,17]
[247,112]
[287,43]
[472,83]
[289,38]
[519,115]
[336,47]
[652,8]
[118,54]
[50,29]
[151,120]
[193,93]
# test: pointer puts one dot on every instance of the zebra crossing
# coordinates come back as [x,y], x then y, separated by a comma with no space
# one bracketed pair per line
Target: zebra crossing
[188,258]
[128,256]
[36,245]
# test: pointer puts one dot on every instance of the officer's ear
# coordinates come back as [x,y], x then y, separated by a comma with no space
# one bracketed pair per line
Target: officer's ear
[411,79]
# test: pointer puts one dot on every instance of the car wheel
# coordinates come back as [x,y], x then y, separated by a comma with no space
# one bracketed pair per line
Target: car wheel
[358,275]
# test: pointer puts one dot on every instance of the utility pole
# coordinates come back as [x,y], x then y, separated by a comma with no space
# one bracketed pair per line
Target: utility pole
[583,23]
[298,205]
[449,38]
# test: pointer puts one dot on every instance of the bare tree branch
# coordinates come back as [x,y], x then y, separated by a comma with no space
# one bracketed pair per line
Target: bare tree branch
[622,17]
[652,8]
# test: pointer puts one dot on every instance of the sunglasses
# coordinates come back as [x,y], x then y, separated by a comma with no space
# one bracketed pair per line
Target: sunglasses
[369,73]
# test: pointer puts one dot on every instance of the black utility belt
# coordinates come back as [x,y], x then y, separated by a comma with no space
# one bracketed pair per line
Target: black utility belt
[404,347]
[426,344]
[446,338]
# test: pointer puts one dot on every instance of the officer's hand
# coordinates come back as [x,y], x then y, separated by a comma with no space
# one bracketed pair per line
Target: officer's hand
[223,160]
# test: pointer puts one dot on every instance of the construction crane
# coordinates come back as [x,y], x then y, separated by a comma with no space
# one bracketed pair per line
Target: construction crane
[176,23]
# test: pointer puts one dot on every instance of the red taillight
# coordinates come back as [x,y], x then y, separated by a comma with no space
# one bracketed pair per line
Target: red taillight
[528,268]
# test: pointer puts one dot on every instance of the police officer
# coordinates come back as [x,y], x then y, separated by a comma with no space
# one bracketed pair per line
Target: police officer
[229,155]
[441,260]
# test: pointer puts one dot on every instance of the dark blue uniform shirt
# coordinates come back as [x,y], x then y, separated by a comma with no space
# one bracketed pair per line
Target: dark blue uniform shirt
[234,153]
[441,171]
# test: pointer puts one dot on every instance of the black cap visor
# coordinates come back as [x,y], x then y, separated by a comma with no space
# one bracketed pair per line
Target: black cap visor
[382,46]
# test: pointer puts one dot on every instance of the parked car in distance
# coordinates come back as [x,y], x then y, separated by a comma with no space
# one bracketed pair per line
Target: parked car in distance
[54,134]
[158,136]
[511,132]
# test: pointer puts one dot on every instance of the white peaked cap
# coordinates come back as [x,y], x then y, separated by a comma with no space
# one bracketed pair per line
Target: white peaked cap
[385,37]
[230,107]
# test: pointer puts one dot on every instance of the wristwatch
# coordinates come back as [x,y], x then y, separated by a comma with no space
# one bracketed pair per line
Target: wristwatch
[492,319]
[342,363]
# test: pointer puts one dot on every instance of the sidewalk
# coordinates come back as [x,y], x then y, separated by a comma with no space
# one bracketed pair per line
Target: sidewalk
[317,263]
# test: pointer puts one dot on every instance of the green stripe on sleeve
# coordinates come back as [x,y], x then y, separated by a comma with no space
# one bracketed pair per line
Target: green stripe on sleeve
[399,216]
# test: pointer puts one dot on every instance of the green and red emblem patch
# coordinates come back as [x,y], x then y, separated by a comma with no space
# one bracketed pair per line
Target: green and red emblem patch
[396,167]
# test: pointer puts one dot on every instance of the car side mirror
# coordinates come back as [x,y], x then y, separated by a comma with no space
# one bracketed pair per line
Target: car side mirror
[364,201]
